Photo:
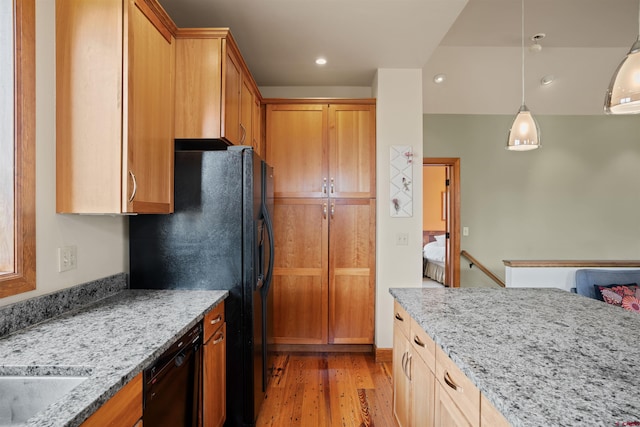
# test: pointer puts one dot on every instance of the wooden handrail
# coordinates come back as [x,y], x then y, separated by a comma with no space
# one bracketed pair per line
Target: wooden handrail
[482,268]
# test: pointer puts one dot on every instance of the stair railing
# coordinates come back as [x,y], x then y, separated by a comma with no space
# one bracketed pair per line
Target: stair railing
[482,268]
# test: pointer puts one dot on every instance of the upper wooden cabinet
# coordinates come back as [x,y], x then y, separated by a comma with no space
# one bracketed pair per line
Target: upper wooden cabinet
[215,92]
[322,150]
[115,62]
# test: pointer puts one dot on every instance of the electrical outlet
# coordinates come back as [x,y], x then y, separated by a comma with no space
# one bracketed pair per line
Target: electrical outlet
[465,231]
[67,258]
[402,239]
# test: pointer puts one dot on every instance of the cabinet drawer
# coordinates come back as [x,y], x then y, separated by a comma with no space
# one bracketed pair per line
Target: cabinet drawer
[456,384]
[401,319]
[423,345]
[213,320]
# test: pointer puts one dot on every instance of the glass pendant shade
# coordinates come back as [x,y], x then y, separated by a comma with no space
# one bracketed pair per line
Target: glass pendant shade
[623,94]
[524,133]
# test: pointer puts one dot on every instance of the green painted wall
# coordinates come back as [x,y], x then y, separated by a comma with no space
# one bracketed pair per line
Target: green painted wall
[577,197]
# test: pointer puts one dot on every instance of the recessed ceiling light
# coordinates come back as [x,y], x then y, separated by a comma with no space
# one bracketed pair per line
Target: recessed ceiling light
[321,61]
[439,78]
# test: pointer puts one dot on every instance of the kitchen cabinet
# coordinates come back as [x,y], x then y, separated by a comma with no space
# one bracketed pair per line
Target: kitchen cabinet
[123,409]
[413,373]
[215,92]
[114,107]
[214,368]
[321,149]
[324,220]
[429,388]
[324,293]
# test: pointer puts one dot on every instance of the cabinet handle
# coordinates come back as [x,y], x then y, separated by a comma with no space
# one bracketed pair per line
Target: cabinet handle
[409,363]
[332,186]
[333,209]
[417,341]
[135,187]
[400,318]
[218,340]
[451,383]
[404,358]
[324,186]
[324,210]
[216,320]
[244,134]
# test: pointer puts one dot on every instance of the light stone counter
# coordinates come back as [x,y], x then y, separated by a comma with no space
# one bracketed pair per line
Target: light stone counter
[542,357]
[111,340]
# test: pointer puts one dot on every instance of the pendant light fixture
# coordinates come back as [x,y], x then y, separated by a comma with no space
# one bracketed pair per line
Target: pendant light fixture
[623,94]
[524,133]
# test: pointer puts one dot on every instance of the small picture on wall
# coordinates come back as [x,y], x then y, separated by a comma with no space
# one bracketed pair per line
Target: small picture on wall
[401,197]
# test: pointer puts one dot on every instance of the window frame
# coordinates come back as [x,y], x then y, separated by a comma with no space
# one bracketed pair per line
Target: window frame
[23,278]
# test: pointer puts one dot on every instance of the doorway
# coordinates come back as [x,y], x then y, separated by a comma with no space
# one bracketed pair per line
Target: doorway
[441,220]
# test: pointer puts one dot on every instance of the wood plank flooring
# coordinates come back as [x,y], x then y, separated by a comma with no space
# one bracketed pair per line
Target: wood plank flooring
[328,389]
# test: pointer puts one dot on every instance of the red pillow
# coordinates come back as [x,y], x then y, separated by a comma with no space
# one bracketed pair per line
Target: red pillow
[625,296]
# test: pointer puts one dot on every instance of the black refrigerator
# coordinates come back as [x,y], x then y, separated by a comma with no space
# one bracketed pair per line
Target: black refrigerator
[220,236]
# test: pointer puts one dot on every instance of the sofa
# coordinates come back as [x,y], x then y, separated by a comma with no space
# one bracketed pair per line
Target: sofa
[588,277]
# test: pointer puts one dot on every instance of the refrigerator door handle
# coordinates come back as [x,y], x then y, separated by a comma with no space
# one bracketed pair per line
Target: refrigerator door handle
[269,274]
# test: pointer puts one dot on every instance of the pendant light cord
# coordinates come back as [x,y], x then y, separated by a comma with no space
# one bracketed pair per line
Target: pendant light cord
[522,48]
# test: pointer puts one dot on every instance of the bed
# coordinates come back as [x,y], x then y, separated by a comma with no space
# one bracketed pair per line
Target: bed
[433,255]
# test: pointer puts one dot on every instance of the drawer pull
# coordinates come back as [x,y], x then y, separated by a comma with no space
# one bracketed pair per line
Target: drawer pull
[216,320]
[399,317]
[417,341]
[218,340]
[450,383]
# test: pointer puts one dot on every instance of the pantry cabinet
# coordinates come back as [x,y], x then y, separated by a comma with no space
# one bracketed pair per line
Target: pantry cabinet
[322,150]
[215,92]
[323,155]
[114,107]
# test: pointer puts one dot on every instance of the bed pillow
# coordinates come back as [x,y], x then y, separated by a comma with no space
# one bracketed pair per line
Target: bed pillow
[440,239]
[625,296]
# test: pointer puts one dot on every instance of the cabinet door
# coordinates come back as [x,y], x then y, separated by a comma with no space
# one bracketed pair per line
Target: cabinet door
[198,87]
[401,383]
[447,414]
[148,173]
[423,383]
[351,271]
[296,136]
[256,129]
[214,379]
[123,409]
[352,150]
[246,113]
[231,98]
[300,271]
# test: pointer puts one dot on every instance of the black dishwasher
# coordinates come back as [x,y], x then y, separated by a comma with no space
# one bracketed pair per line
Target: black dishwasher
[172,385]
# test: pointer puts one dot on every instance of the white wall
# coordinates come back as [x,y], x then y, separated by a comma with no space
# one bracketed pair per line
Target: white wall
[399,122]
[101,241]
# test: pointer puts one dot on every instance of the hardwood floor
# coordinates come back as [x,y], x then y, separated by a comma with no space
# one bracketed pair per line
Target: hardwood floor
[328,389]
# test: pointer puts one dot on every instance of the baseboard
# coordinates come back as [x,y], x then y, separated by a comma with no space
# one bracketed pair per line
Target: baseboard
[384,355]
[324,348]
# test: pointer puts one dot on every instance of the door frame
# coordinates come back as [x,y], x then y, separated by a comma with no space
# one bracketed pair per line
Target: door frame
[453,267]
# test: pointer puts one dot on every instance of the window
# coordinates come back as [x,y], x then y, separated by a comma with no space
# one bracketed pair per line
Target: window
[17,147]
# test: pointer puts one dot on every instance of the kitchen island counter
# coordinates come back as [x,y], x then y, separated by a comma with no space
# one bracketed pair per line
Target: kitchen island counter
[542,357]
[110,341]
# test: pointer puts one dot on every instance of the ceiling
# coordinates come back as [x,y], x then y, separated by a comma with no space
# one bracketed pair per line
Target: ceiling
[475,43]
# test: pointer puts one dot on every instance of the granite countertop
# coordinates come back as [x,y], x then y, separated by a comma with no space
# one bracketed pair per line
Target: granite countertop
[542,357]
[111,341]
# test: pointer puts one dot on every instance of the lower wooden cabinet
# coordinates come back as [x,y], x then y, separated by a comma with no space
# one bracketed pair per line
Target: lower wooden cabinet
[428,387]
[324,271]
[214,369]
[123,409]
[413,375]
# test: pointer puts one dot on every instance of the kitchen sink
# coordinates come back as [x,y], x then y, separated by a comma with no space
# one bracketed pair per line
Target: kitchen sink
[22,396]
